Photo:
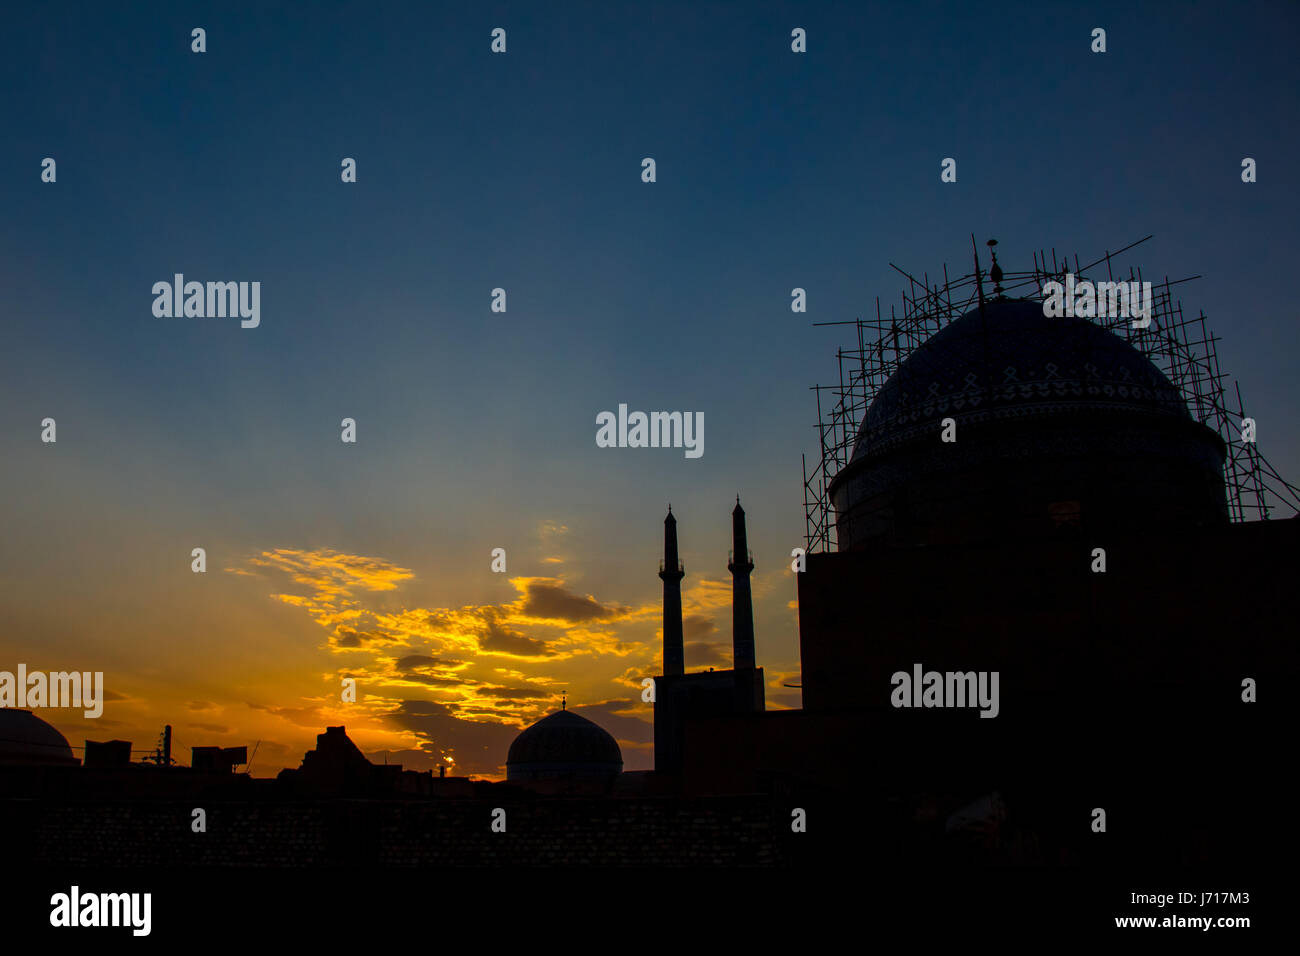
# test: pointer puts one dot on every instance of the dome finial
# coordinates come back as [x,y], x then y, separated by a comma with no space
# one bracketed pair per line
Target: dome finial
[564,701]
[995,273]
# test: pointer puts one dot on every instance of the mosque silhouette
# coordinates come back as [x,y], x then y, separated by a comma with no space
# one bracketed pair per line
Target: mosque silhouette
[1119,684]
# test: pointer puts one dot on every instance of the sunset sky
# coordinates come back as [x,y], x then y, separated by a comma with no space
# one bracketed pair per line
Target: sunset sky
[476,429]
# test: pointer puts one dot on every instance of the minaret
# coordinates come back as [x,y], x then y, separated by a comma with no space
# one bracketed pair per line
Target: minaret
[670,571]
[742,604]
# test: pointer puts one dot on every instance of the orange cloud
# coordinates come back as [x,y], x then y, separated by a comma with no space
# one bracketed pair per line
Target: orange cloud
[706,594]
[431,681]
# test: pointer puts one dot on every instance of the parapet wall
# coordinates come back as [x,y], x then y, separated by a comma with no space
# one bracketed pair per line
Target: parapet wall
[739,831]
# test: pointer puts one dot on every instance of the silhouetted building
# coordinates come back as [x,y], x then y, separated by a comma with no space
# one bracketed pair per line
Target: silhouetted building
[1073,539]
[217,759]
[979,553]
[338,767]
[111,753]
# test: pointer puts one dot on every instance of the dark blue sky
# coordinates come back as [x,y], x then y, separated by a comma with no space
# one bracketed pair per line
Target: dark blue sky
[775,170]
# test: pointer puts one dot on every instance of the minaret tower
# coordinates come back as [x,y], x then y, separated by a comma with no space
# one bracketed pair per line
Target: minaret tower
[671,573]
[742,604]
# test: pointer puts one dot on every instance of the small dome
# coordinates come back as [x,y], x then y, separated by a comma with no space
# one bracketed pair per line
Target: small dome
[563,745]
[26,739]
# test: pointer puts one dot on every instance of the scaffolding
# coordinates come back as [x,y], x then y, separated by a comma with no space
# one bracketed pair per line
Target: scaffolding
[1181,347]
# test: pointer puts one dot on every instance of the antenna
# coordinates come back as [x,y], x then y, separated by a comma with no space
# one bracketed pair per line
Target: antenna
[162,753]
[248,767]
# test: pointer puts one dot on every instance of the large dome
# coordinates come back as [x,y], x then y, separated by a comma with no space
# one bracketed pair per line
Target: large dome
[26,739]
[563,745]
[1058,421]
